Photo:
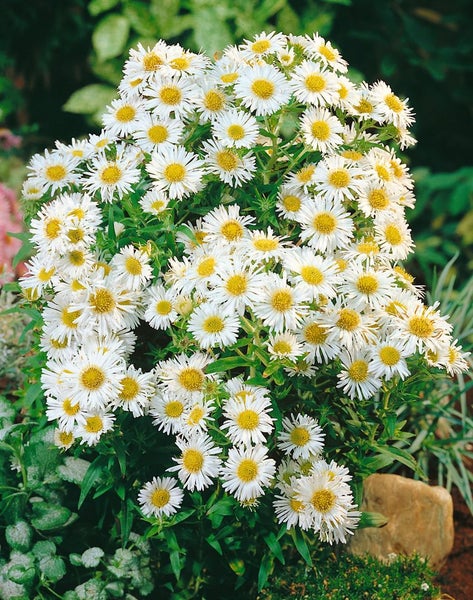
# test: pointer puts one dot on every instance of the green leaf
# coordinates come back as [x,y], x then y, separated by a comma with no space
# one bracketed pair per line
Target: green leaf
[110,36]
[225,364]
[265,569]
[211,32]
[138,17]
[92,477]
[214,543]
[301,545]
[96,7]
[90,99]
[51,516]
[275,547]
[372,519]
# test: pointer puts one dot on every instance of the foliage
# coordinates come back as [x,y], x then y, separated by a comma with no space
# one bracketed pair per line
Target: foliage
[344,576]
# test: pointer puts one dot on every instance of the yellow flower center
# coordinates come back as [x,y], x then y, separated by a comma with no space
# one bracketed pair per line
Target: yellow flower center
[57,344]
[163,307]
[389,355]
[181,63]
[191,379]
[368,248]
[348,319]
[206,267]
[282,347]
[125,114]
[152,62]
[339,178]
[93,424]
[393,235]
[192,460]
[260,46]
[282,300]
[263,88]
[174,409]
[55,172]
[247,470]
[352,155]
[320,130]
[160,498]
[236,285]
[77,212]
[170,95]
[232,230]
[265,244]
[304,175]
[45,275]
[229,77]
[102,301]
[327,52]
[364,106]
[75,235]
[158,205]
[214,100]
[367,284]
[65,437]
[312,275]
[299,436]
[324,223]
[393,102]
[133,266]
[315,83]
[421,326]
[158,134]
[92,378]
[248,419]
[69,408]
[52,228]
[174,172]
[129,388]
[236,132]
[383,172]
[395,308]
[323,500]
[69,317]
[296,505]
[404,274]
[111,175]
[213,324]
[195,415]
[358,371]
[227,160]
[378,199]
[291,203]
[315,334]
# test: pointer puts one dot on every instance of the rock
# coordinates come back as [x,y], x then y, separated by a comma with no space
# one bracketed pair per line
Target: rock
[420,519]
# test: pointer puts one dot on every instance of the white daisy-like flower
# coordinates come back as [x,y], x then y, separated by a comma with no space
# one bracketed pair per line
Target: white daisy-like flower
[263,89]
[79,149]
[154,202]
[226,70]
[302,179]
[121,116]
[160,311]
[111,177]
[312,84]
[170,96]
[301,436]
[326,225]
[263,44]
[280,305]
[33,188]
[160,497]
[289,510]
[286,56]
[348,95]
[60,319]
[367,286]
[319,341]
[321,129]
[196,417]
[357,378]
[53,170]
[318,275]
[135,391]
[262,246]
[318,48]
[184,376]
[392,108]
[153,133]
[66,411]
[235,128]
[284,345]
[184,62]
[144,62]
[98,143]
[40,276]
[393,235]
[302,367]
[366,108]
[198,465]
[290,202]
[225,224]
[237,285]
[388,359]
[353,328]
[132,266]
[247,472]
[211,100]
[337,179]
[247,420]
[95,424]
[228,163]
[211,326]
[168,412]
[376,199]
[63,439]
[176,171]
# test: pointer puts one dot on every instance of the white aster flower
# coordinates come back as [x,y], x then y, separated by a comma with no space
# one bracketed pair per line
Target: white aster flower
[290,202]
[211,326]
[388,359]
[160,311]
[312,84]
[357,377]
[111,177]
[337,179]
[198,465]
[154,133]
[53,170]
[316,47]
[154,202]
[301,437]
[247,472]
[263,44]
[321,130]
[132,266]
[176,171]
[121,116]
[135,391]
[225,224]
[95,424]
[316,274]
[168,412]
[326,225]
[184,376]
[170,96]
[263,89]
[247,420]
[284,345]
[231,166]
[160,497]
[236,128]
[319,341]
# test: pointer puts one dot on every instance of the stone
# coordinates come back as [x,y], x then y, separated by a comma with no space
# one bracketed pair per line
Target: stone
[420,519]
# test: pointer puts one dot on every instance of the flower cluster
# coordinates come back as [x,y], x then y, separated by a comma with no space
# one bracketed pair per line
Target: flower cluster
[242,222]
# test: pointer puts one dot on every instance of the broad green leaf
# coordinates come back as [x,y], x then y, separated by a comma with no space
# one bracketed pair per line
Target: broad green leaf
[110,36]
[372,519]
[266,568]
[92,477]
[90,99]
[95,7]
[301,545]
[138,16]
[211,33]
[225,364]
[275,547]
[214,543]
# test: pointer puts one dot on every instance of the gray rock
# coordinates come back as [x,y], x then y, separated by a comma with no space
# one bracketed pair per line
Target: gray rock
[420,519]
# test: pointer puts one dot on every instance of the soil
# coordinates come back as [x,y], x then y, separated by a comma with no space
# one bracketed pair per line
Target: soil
[456,575]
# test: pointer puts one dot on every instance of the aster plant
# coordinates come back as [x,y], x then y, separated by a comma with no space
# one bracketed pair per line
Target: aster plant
[224,261]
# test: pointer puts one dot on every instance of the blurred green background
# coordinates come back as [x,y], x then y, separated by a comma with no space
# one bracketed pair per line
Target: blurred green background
[60,62]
